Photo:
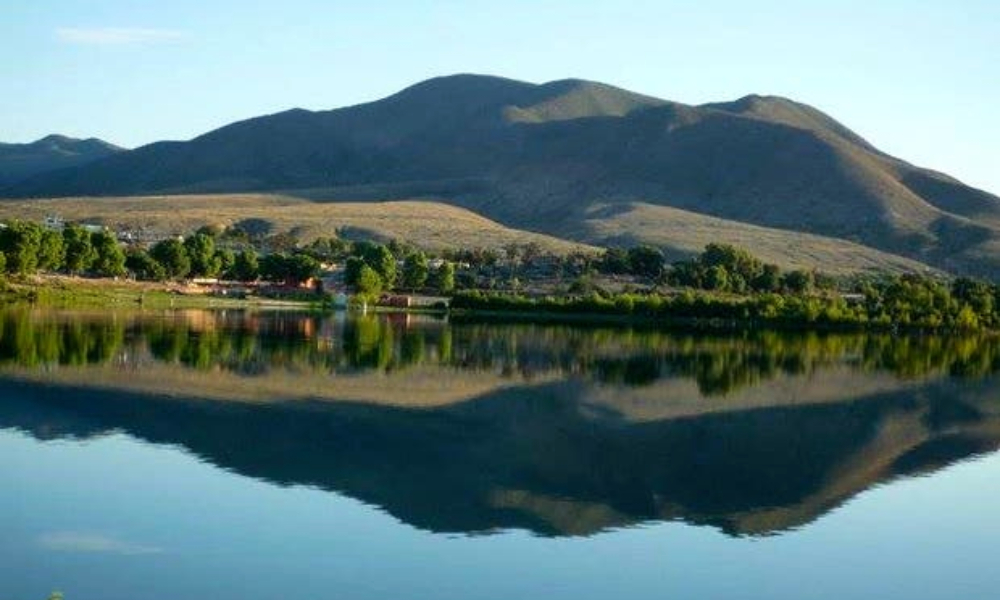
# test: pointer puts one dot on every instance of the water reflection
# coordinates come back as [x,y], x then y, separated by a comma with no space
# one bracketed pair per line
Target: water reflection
[470,428]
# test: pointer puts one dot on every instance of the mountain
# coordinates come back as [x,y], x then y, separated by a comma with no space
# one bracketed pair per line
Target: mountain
[52,152]
[560,156]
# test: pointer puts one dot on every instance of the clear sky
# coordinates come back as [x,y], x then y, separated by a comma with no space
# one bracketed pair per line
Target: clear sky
[918,78]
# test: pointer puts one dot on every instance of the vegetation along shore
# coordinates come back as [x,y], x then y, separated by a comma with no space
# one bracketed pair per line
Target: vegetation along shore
[247,265]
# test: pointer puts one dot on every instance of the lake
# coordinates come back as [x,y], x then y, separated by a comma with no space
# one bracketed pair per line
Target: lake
[256,455]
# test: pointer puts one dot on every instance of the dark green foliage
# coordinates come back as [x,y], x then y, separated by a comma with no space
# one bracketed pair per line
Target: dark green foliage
[615,262]
[443,278]
[172,255]
[908,302]
[376,256]
[245,266]
[352,270]
[645,261]
[200,249]
[717,278]
[769,279]
[799,282]
[20,242]
[415,271]
[327,249]
[293,270]
[143,266]
[109,260]
[368,282]
[726,268]
[51,251]
[79,252]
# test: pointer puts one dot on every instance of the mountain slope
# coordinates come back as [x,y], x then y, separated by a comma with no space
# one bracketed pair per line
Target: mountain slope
[21,161]
[542,157]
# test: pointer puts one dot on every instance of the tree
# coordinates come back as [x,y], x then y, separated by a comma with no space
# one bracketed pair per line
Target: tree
[245,266]
[614,262]
[79,252]
[20,242]
[51,251]
[769,279]
[200,249]
[369,283]
[381,259]
[301,267]
[225,258]
[645,261]
[3,264]
[110,258]
[352,270]
[274,267]
[143,266]
[717,278]
[799,281]
[170,253]
[415,270]
[444,278]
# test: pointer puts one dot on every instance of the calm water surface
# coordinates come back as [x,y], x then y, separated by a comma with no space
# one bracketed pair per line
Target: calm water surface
[249,455]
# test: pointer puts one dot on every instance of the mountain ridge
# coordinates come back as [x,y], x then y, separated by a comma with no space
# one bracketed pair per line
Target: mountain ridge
[52,152]
[545,154]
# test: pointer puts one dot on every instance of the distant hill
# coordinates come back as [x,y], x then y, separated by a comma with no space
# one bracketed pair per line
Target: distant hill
[21,161]
[549,157]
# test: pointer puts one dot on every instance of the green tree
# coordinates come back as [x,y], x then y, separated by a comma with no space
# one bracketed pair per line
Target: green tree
[444,278]
[79,252]
[381,259]
[51,251]
[369,282]
[645,261]
[200,249]
[143,266]
[110,258]
[20,242]
[352,270]
[415,270]
[615,261]
[799,282]
[302,267]
[225,258]
[245,266]
[170,253]
[717,278]
[274,267]
[769,279]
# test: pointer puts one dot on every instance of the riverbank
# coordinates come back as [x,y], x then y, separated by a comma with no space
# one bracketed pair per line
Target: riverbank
[917,305]
[63,291]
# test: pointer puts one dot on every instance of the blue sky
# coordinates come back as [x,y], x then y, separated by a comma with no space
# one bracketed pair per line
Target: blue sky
[917,78]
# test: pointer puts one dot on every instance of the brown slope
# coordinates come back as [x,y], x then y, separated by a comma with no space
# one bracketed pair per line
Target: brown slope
[543,155]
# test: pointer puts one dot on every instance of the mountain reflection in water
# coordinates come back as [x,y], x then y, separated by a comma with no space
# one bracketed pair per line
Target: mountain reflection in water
[473,428]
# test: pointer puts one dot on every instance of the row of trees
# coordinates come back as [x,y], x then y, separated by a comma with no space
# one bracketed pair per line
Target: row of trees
[372,268]
[726,268]
[909,301]
[26,248]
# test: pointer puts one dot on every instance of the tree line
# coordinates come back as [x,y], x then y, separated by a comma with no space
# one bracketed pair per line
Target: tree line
[27,248]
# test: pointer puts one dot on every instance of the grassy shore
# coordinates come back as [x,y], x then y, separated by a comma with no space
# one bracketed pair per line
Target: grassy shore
[77,292]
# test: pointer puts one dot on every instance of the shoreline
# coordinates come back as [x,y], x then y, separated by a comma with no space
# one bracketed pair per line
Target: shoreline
[70,292]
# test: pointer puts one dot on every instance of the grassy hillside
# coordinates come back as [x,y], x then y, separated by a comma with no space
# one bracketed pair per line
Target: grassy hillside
[429,225]
[544,157]
[682,234]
